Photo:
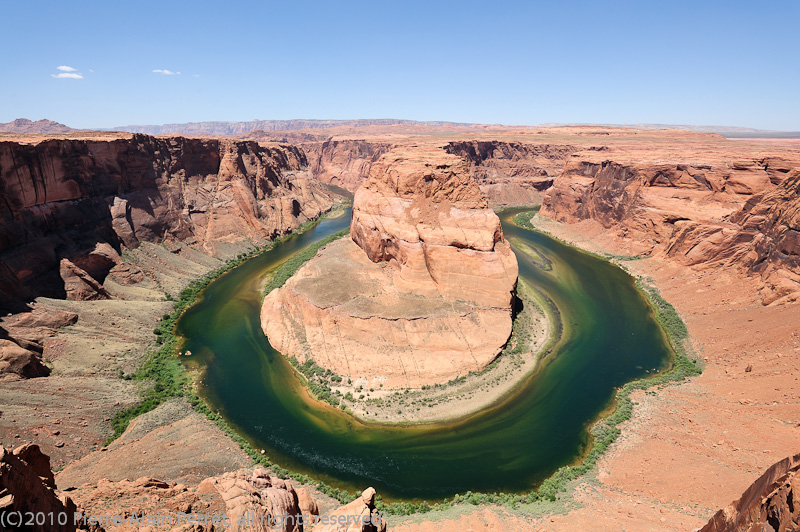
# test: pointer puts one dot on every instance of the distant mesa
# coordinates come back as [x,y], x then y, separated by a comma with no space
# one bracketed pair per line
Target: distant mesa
[240,128]
[23,125]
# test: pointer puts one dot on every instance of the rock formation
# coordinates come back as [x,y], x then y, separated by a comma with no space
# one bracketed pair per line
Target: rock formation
[16,362]
[512,173]
[359,516]
[421,294]
[258,502]
[508,173]
[22,338]
[27,485]
[710,212]
[345,163]
[422,210]
[770,504]
[71,206]
[241,501]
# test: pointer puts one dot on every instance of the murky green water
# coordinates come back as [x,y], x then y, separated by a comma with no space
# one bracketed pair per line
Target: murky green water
[609,337]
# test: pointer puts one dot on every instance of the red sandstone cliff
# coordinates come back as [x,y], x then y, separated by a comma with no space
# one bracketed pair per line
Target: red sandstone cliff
[508,173]
[770,504]
[711,210]
[345,163]
[70,206]
[512,173]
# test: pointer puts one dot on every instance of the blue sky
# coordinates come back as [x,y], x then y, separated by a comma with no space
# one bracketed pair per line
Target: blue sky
[722,63]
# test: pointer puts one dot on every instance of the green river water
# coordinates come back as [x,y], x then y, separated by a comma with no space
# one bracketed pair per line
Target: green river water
[610,337]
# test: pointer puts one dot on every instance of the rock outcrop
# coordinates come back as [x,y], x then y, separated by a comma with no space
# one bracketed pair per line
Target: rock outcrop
[770,504]
[727,212]
[423,211]
[345,163]
[16,362]
[27,485]
[241,501]
[513,173]
[258,502]
[422,292]
[70,206]
[22,338]
[357,516]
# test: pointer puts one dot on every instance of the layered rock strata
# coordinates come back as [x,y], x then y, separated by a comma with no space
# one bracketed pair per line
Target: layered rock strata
[739,213]
[420,294]
[345,163]
[513,173]
[71,206]
[246,500]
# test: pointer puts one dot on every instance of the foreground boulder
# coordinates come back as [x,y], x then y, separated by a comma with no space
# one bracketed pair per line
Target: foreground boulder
[27,485]
[770,504]
[19,363]
[357,516]
[421,294]
[241,501]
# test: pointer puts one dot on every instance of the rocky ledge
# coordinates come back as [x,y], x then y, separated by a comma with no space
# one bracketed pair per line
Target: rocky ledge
[420,294]
[770,504]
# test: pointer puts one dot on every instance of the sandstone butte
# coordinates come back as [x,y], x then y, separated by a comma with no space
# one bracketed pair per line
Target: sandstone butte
[421,293]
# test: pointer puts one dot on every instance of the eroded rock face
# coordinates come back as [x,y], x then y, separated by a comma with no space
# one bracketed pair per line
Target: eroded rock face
[27,485]
[16,362]
[258,502]
[359,516]
[770,504]
[734,213]
[84,201]
[512,173]
[345,163]
[423,211]
[249,501]
[420,295]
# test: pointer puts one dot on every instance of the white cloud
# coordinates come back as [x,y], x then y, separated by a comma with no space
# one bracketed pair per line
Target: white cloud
[70,75]
[166,72]
[64,68]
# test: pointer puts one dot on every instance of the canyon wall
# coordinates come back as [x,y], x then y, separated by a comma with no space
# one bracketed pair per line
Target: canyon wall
[713,211]
[512,173]
[69,207]
[345,163]
[420,294]
[423,211]
[508,173]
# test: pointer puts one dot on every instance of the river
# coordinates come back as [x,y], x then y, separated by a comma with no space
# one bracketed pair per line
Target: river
[610,337]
